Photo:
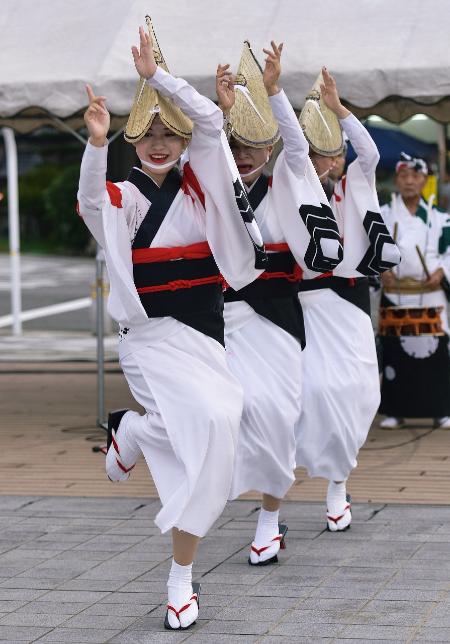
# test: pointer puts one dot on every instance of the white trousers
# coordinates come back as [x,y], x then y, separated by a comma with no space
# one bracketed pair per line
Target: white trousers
[189,434]
[341,386]
[267,361]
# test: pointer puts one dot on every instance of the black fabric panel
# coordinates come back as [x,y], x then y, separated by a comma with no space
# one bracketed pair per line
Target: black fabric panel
[274,287]
[281,262]
[355,290]
[200,307]
[415,387]
[275,299]
[161,199]
[285,312]
[260,289]
[211,323]
[258,192]
[156,273]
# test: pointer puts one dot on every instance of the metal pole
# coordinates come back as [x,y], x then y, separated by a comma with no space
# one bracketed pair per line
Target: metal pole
[442,150]
[13,226]
[99,286]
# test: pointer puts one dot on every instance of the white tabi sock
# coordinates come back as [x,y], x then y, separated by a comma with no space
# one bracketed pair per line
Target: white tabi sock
[179,587]
[264,547]
[267,528]
[336,498]
[129,451]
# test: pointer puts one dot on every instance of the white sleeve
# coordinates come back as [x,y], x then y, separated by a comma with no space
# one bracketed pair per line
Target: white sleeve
[363,144]
[296,146]
[92,186]
[444,243]
[386,213]
[93,195]
[205,115]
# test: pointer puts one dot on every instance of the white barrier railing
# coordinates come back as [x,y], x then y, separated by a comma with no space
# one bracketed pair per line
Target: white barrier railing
[46,311]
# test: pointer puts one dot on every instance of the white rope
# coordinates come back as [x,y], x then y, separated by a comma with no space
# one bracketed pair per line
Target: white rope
[317,107]
[246,93]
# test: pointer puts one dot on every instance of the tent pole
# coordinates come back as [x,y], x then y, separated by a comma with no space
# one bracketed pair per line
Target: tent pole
[66,127]
[13,227]
[442,151]
[99,262]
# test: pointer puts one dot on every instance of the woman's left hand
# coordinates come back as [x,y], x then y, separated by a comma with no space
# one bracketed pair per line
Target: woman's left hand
[144,58]
[272,70]
[330,95]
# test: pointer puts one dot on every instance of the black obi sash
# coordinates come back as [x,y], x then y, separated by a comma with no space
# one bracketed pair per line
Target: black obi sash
[353,289]
[185,282]
[274,294]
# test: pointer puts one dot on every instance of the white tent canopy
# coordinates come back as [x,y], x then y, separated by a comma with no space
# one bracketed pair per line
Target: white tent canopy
[389,58]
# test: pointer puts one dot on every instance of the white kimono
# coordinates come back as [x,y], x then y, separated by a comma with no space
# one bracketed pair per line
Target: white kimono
[266,358]
[178,374]
[429,229]
[341,389]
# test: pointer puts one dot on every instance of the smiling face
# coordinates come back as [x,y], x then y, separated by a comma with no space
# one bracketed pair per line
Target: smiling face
[410,183]
[322,165]
[159,147]
[250,161]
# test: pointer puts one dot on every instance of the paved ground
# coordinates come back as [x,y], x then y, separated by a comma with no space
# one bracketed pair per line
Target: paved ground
[94,570]
[52,409]
[81,559]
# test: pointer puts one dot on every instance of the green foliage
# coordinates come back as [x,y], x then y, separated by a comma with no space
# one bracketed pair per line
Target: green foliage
[48,220]
[31,187]
[64,225]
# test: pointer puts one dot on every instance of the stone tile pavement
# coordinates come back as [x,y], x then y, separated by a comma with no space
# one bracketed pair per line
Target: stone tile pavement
[78,570]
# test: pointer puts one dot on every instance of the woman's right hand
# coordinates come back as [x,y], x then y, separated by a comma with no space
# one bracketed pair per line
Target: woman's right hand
[388,279]
[97,118]
[225,88]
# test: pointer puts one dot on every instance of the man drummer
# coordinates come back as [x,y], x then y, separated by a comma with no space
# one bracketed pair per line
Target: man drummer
[416,370]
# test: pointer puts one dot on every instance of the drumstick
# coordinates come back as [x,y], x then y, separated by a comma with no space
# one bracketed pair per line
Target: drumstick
[394,236]
[423,262]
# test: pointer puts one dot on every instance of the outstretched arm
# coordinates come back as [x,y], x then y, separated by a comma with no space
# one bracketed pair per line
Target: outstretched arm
[362,142]
[204,113]
[93,165]
[295,144]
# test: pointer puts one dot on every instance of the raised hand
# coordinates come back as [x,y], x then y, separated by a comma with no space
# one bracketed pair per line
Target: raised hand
[388,279]
[330,95]
[144,58]
[225,88]
[272,70]
[97,118]
[436,278]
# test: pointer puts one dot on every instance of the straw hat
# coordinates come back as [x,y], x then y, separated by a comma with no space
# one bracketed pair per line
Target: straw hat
[321,125]
[251,119]
[148,103]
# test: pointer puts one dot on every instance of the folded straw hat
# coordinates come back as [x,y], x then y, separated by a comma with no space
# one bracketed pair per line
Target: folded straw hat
[148,103]
[320,125]
[251,119]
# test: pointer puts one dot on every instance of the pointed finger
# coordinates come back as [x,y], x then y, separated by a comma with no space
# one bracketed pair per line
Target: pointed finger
[90,93]
[142,39]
